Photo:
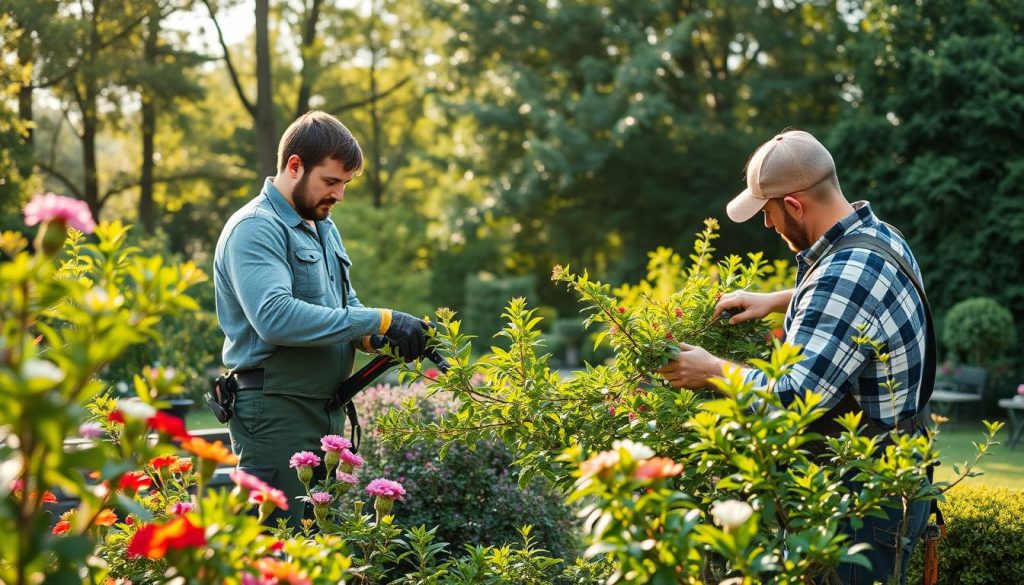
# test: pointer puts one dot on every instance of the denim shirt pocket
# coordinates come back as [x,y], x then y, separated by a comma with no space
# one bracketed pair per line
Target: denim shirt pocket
[307,273]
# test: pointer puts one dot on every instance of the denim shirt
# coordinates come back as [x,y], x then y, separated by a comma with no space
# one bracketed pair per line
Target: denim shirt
[284,298]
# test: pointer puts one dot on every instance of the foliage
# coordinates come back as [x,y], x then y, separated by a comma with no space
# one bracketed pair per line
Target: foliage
[471,495]
[486,296]
[978,330]
[677,455]
[937,84]
[985,526]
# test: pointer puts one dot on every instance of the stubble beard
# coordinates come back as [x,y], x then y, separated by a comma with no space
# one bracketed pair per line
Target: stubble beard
[303,206]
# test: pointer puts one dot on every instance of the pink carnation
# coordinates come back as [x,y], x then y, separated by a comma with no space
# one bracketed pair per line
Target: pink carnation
[351,458]
[385,488]
[304,459]
[182,508]
[348,478]
[47,207]
[90,430]
[321,498]
[334,443]
[248,481]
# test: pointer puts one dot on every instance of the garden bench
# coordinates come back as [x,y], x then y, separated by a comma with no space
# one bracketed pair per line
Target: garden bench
[1013,407]
[965,386]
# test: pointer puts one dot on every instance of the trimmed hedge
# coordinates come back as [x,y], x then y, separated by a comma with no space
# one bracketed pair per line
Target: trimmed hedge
[985,538]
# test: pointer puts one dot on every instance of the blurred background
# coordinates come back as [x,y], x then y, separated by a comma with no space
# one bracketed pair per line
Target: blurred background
[503,137]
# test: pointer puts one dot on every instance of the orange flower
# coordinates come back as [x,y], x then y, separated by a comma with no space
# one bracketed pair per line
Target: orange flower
[154,540]
[105,518]
[214,451]
[282,571]
[49,498]
[657,468]
[62,527]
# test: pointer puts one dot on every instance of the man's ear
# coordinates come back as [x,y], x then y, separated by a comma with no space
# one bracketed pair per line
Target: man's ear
[294,167]
[794,206]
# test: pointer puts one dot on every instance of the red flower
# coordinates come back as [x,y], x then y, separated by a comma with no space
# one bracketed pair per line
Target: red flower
[668,335]
[134,481]
[167,424]
[184,465]
[163,461]
[277,546]
[622,310]
[679,312]
[431,373]
[116,416]
[154,540]
[62,527]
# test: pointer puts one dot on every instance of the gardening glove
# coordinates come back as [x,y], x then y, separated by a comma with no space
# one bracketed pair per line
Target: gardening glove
[408,334]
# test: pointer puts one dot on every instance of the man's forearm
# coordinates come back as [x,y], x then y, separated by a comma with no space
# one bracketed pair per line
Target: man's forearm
[781,300]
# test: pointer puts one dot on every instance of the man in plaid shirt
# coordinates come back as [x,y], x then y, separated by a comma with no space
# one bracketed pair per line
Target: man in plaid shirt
[792,180]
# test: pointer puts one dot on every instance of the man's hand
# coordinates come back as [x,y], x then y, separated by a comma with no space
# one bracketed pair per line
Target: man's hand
[692,367]
[408,334]
[747,305]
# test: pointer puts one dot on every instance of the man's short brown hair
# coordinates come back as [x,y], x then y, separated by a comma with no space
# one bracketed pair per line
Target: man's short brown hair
[316,136]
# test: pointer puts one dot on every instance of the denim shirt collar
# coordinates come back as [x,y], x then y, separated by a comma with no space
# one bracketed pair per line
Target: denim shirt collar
[282,208]
[285,210]
[861,217]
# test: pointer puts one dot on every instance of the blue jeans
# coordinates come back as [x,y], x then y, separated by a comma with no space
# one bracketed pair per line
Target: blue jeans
[883,535]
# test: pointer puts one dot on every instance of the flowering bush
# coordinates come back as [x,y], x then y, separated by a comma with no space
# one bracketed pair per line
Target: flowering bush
[471,495]
[697,486]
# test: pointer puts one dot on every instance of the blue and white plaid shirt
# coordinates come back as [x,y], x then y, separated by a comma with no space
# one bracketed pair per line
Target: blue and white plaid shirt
[849,288]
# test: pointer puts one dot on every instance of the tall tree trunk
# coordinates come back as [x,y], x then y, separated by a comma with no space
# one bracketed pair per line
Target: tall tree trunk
[147,209]
[90,127]
[376,167]
[25,111]
[266,137]
[310,60]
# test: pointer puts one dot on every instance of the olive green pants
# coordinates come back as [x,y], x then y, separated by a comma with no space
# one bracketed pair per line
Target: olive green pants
[267,429]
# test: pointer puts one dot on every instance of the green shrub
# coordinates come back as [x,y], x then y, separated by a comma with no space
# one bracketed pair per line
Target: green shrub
[985,528]
[486,298]
[471,496]
[978,330]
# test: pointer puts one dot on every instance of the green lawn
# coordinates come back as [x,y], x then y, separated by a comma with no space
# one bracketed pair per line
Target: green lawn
[1001,467]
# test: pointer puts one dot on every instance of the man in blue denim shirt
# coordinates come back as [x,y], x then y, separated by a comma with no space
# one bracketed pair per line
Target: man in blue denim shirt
[285,301]
[792,180]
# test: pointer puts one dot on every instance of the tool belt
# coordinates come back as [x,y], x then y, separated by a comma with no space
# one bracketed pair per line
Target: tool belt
[221,396]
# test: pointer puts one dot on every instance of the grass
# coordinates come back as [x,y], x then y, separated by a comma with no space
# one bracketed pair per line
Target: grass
[1001,467]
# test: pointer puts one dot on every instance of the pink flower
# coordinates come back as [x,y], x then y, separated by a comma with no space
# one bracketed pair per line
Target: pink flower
[431,373]
[334,443]
[274,496]
[1020,389]
[248,481]
[385,488]
[679,312]
[182,508]
[90,430]
[49,207]
[348,478]
[304,459]
[321,498]
[351,458]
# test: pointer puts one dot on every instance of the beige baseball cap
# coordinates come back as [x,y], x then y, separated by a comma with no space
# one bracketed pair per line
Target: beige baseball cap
[790,162]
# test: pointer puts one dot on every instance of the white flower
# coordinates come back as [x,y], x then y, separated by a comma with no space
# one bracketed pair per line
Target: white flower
[731,513]
[638,451]
[44,369]
[135,408]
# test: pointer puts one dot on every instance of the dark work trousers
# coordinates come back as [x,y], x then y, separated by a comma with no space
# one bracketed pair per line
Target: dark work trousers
[268,429]
[883,536]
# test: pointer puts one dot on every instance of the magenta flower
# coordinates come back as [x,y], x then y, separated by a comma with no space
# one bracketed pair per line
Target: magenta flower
[182,508]
[49,207]
[385,488]
[304,459]
[334,443]
[351,458]
[1020,389]
[348,478]
[248,481]
[321,498]
[90,430]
